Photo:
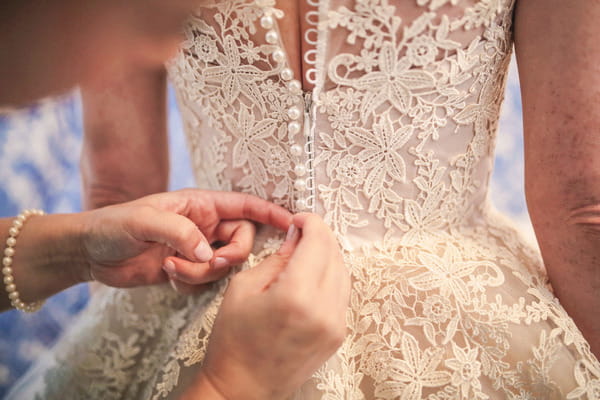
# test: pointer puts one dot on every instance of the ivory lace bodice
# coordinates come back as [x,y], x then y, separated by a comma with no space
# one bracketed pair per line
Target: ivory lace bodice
[398,131]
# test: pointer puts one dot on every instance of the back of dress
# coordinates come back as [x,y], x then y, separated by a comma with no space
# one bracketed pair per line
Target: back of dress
[393,146]
[395,139]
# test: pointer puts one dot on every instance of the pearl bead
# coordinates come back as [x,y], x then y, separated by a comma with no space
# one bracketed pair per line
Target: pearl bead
[279,56]
[271,37]
[294,113]
[27,213]
[7,261]
[300,204]
[21,217]
[11,288]
[10,242]
[300,170]
[287,74]
[17,223]
[13,231]
[8,280]
[9,252]
[295,87]
[267,22]
[13,295]
[300,185]
[7,271]
[294,127]
[296,150]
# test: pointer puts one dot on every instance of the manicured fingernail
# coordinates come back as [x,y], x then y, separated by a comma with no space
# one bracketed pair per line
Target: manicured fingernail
[173,285]
[220,262]
[291,233]
[169,267]
[203,252]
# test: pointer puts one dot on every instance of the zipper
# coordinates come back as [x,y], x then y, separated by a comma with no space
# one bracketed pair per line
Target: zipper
[309,137]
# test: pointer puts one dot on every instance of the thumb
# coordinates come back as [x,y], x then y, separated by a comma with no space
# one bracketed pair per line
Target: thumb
[267,272]
[149,224]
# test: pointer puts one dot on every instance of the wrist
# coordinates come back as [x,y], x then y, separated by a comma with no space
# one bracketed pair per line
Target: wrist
[48,256]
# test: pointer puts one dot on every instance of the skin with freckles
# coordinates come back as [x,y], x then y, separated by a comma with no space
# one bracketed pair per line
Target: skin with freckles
[558,54]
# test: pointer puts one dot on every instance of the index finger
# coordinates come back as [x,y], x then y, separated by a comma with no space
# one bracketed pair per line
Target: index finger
[234,205]
[312,255]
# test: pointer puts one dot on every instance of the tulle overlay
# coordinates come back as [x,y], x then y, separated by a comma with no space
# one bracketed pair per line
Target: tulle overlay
[448,301]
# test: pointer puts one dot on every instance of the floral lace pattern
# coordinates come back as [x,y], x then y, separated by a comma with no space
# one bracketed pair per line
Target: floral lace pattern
[447,302]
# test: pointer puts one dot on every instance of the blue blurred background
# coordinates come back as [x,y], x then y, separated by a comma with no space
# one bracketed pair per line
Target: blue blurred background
[39,151]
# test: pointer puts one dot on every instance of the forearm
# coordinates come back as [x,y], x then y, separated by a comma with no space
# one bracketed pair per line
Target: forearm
[125,149]
[48,256]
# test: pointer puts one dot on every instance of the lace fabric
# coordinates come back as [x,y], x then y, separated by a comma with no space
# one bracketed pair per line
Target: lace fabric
[448,301]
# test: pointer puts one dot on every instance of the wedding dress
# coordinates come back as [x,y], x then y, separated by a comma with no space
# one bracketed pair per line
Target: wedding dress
[394,148]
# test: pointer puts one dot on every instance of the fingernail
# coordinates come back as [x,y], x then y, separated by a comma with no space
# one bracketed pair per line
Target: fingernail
[172,282]
[203,252]
[220,262]
[169,267]
[291,233]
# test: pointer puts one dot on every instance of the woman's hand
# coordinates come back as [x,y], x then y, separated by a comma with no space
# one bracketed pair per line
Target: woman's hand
[279,321]
[135,243]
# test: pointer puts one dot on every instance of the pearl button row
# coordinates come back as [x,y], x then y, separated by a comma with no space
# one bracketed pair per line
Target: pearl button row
[294,113]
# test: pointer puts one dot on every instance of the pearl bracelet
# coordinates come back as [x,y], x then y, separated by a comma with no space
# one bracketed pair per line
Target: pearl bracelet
[9,252]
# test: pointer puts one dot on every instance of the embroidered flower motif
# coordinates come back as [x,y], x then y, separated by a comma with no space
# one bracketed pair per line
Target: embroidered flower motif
[394,82]
[205,48]
[278,161]
[367,60]
[234,77]
[251,135]
[350,171]
[437,308]
[423,225]
[467,370]
[418,369]
[421,51]
[250,52]
[378,365]
[447,274]
[381,154]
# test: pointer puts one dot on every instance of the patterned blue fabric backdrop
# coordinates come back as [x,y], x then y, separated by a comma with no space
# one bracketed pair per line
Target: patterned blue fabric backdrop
[39,151]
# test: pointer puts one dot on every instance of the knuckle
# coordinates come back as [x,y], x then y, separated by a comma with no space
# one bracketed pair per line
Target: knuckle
[246,201]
